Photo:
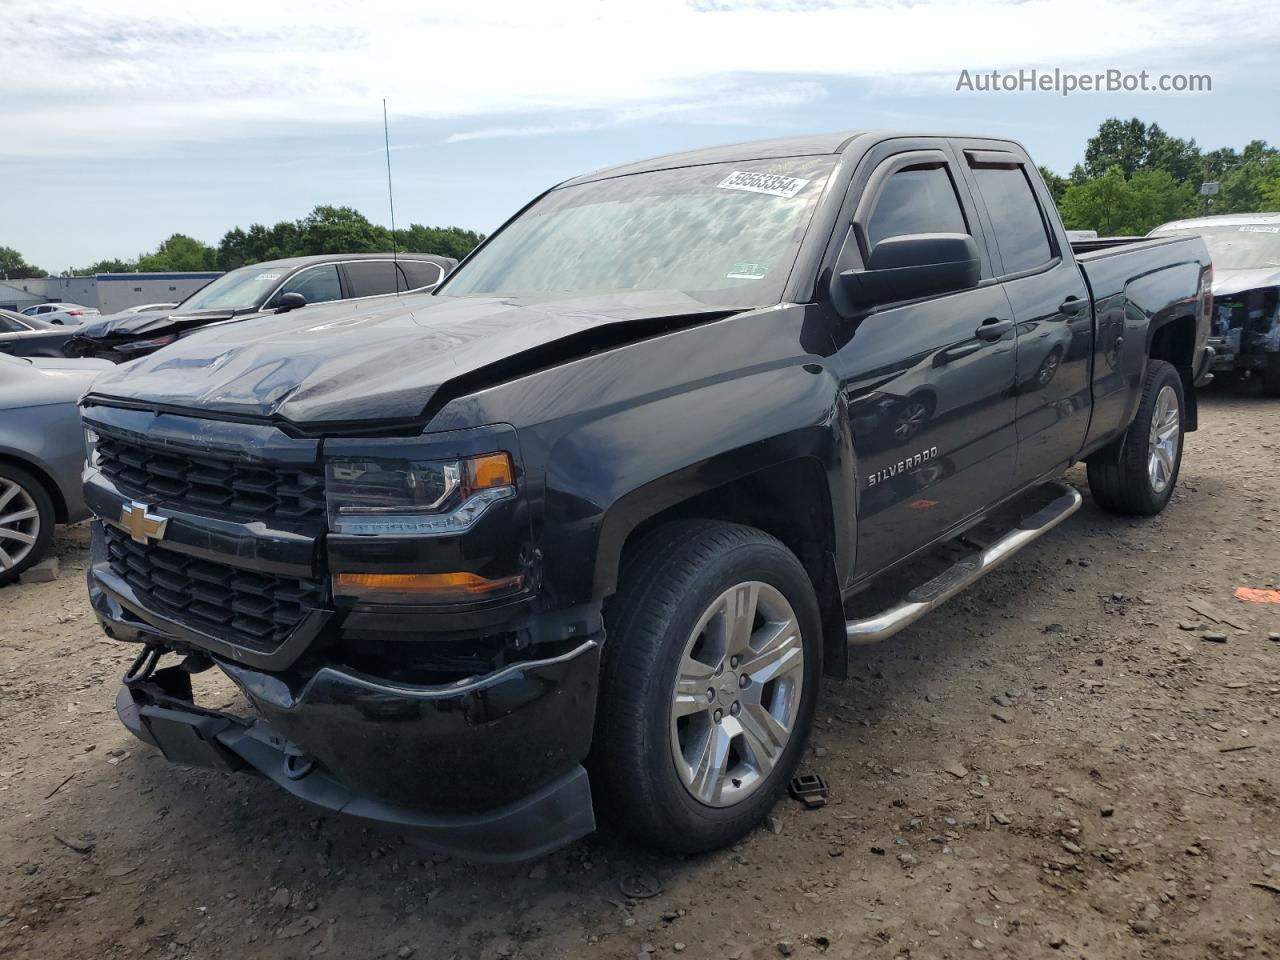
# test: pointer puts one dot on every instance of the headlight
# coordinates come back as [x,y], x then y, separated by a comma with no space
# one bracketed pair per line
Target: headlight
[91,446]
[370,497]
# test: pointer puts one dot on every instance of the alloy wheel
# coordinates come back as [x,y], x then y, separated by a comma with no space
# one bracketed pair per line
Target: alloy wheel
[1162,448]
[19,523]
[737,694]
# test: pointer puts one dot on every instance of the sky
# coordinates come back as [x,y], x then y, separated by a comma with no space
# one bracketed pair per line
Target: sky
[124,122]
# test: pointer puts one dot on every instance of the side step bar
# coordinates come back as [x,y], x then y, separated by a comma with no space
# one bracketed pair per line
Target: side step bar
[929,596]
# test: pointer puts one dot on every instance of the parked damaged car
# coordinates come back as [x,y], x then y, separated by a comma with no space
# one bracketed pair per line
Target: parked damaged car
[23,336]
[586,527]
[1246,291]
[262,289]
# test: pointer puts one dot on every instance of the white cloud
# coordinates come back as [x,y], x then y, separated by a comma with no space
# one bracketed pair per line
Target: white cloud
[132,76]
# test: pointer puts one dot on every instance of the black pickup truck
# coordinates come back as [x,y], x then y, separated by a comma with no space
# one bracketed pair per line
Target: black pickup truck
[583,529]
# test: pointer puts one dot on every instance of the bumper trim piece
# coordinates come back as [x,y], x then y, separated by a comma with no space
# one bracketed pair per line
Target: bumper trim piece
[550,817]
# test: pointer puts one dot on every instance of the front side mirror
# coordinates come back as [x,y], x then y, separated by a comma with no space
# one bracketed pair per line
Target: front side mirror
[290,301]
[914,265]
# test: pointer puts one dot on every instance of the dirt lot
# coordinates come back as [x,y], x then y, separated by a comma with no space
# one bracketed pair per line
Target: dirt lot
[1062,764]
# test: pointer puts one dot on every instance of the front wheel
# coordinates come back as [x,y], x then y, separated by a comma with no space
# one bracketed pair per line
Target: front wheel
[1137,473]
[709,686]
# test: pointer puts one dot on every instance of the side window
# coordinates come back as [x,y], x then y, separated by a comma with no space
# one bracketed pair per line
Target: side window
[373,278]
[421,274]
[918,199]
[317,284]
[1015,216]
[11,326]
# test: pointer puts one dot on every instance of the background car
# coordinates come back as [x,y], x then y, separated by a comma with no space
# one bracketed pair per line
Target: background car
[273,286]
[41,454]
[61,313]
[30,336]
[1246,291]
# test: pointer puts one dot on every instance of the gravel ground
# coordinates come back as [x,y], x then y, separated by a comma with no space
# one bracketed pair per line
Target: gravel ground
[1061,764]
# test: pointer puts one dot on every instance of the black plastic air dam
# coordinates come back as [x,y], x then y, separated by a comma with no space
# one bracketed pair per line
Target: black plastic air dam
[489,768]
[545,820]
[454,748]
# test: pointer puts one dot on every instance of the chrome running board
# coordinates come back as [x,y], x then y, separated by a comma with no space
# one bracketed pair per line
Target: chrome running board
[929,596]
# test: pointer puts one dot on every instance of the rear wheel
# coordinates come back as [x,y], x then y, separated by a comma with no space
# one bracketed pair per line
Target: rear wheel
[26,521]
[1137,473]
[709,686]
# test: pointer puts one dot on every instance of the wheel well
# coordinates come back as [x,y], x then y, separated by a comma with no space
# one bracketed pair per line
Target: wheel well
[51,488]
[1175,342]
[789,501]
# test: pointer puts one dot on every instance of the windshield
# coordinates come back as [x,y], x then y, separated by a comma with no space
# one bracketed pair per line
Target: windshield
[725,234]
[241,289]
[1244,247]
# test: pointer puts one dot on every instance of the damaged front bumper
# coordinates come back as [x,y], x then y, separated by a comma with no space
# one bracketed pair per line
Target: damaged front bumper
[488,767]
[429,762]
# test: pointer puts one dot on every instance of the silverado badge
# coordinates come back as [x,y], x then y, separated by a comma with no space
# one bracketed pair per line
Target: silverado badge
[137,520]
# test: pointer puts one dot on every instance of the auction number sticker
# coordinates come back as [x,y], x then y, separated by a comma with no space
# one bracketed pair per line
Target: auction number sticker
[745,270]
[770,183]
[1254,228]
[270,276]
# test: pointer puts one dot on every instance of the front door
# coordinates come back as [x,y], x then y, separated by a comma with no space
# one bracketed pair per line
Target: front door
[929,383]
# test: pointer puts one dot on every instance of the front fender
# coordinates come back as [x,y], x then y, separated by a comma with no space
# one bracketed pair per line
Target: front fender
[648,458]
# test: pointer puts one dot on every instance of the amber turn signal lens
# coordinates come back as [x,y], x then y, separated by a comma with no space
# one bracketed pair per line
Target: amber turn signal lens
[490,470]
[430,587]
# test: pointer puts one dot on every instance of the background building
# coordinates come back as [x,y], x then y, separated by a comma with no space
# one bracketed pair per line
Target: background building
[107,292]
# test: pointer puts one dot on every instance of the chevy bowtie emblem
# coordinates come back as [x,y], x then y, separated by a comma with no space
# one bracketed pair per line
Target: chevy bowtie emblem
[141,524]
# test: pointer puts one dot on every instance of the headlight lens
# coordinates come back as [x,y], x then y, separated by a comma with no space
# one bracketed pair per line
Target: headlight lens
[372,497]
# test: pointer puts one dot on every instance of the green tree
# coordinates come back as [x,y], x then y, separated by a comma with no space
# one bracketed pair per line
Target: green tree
[443,241]
[1245,186]
[179,252]
[106,266]
[1116,206]
[239,247]
[14,267]
[1057,185]
[1133,145]
[328,229]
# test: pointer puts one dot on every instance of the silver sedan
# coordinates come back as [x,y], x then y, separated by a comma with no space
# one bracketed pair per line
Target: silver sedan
[41,454]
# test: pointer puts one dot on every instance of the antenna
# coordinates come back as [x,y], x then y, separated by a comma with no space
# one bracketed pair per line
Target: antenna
[391,199]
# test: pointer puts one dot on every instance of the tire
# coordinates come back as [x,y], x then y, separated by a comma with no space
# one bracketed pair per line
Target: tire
[1125,476]
[670,586]
[1271,376]
[26,521]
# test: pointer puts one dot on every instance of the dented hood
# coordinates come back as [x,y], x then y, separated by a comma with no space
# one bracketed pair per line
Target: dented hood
[1227,282]
[358,362]
[124,326]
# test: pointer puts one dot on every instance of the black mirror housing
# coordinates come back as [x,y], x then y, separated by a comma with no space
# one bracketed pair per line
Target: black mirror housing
[912,266]
[290,301]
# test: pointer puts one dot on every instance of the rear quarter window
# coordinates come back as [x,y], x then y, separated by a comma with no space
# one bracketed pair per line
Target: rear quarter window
[1016,217]
[420,273]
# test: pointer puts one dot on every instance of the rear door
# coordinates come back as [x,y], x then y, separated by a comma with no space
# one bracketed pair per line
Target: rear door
[1051,307]
[928,382]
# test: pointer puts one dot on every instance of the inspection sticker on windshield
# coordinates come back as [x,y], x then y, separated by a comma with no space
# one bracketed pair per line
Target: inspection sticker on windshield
[769,183]
[745,270]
